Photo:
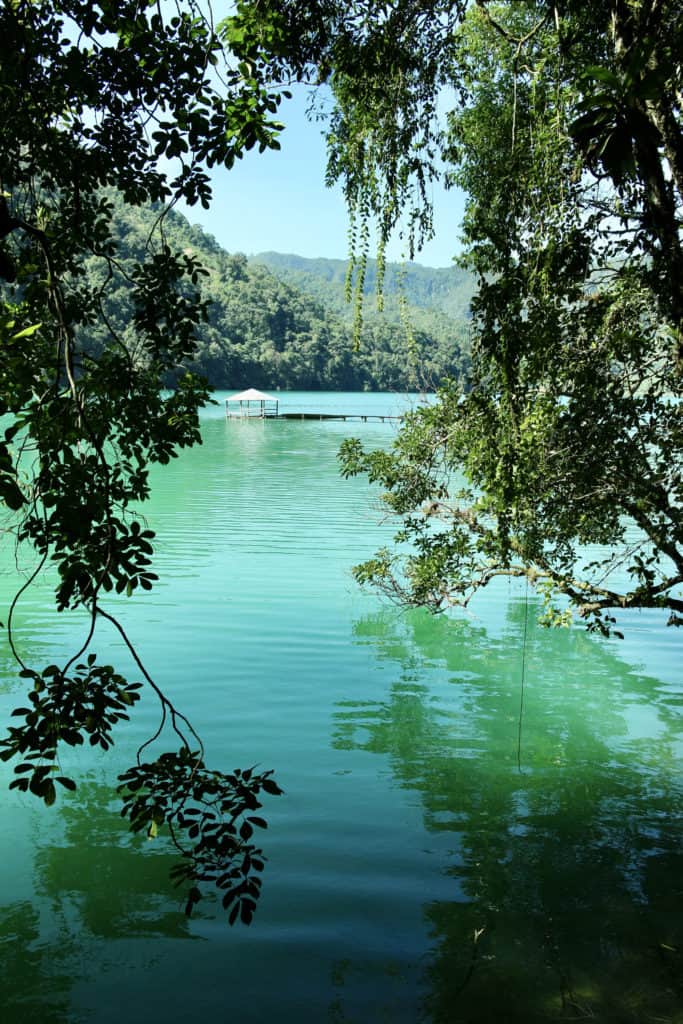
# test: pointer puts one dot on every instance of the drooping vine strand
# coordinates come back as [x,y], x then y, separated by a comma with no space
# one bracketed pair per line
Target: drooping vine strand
[167,706]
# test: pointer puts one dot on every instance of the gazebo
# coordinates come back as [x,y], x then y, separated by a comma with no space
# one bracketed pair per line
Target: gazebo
[251,403]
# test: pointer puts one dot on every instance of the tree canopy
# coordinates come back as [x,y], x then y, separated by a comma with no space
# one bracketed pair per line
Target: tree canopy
[561,462]
[143,100]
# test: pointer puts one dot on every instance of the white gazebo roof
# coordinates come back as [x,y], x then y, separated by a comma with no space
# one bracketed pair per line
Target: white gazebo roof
[251,395]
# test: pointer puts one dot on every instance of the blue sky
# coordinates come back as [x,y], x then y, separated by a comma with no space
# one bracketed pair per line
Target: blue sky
[278,201]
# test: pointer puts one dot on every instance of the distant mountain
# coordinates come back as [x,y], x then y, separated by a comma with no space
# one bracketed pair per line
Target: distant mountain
[270,330]
[446,290]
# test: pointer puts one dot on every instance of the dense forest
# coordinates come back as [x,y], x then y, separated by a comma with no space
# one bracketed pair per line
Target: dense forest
[275,329]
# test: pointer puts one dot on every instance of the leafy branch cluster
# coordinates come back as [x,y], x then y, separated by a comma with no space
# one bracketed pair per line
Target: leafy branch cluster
[211,826]
[98,97]
[567,142]
[64,709]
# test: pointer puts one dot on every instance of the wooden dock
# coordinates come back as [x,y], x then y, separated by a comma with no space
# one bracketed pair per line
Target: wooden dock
[253,404]
[360,417]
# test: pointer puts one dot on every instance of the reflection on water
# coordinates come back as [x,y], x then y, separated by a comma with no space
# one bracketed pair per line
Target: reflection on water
[566,865]
[101,878]
[96,889]
[35,982]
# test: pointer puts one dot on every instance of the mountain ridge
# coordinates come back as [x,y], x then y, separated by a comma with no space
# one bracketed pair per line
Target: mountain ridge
[268,331]
[447,290]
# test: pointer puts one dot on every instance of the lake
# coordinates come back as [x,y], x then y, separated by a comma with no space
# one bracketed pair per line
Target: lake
[481,819]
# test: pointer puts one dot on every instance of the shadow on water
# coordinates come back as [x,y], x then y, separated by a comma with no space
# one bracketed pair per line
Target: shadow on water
[103,877]
[36,979]
[96,892]
[559,828]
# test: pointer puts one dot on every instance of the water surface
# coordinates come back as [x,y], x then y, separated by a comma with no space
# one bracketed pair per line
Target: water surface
[481,819]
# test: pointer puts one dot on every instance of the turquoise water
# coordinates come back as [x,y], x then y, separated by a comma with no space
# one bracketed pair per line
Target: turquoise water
[445,778]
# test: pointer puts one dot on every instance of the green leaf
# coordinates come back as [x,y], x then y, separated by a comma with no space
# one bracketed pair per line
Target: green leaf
[66,782]
[26,332]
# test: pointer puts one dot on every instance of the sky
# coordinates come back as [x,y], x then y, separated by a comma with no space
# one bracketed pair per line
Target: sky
[278,201]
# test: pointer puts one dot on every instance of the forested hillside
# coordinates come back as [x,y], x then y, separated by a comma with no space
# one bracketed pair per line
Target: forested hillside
[266,332]
[446,290]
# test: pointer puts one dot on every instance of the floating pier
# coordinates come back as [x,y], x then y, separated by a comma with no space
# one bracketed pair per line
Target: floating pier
[253,404]
[362,417]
